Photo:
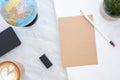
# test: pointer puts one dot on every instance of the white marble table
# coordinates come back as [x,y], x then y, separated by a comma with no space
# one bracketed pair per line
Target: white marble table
[41,38]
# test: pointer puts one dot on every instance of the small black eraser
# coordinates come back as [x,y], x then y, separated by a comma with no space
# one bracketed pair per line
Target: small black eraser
[46,61]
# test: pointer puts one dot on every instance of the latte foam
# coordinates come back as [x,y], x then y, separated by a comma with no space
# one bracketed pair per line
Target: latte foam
[9,71]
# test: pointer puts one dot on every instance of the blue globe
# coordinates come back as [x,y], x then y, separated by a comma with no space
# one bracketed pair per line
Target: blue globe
[19,12]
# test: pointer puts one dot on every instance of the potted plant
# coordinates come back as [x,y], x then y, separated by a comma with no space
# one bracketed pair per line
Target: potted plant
[111,9]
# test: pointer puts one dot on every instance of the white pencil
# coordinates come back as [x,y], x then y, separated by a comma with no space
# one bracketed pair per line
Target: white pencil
[91,22]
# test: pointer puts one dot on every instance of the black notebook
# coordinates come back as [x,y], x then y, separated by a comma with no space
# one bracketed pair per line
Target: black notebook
[8,41]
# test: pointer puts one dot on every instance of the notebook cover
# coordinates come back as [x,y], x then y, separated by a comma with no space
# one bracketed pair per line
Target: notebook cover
[77,41]
[8,41]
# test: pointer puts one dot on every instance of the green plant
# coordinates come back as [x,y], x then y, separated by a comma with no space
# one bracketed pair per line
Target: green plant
[112,7]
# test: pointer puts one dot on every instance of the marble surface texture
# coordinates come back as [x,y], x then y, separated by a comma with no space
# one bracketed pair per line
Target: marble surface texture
[41,38]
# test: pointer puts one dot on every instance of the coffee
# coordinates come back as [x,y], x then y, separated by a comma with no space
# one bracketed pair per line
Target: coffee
[11,70]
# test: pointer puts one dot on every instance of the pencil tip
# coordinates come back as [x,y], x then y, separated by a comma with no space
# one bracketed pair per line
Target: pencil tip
[112,43]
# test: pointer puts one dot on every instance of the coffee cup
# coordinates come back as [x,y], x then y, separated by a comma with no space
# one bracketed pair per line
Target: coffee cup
[11,70]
